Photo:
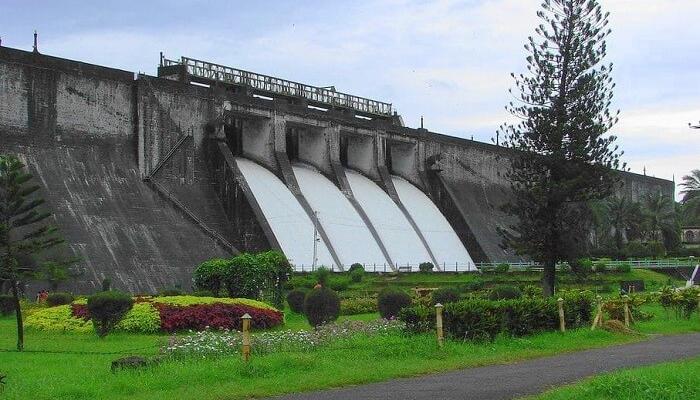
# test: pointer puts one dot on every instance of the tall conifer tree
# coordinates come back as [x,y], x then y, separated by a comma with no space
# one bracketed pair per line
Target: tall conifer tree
[564,157]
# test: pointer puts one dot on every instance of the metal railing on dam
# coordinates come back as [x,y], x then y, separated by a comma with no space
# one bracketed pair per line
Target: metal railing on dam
[273,85]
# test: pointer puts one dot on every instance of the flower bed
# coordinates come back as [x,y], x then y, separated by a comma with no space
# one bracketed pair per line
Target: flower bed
[166,314]
[213,344]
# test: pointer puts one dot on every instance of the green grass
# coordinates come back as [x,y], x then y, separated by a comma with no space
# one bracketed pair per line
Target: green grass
[72,366]
[668,381]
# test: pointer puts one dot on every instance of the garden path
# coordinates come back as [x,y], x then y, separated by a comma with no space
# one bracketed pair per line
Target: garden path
[522,378]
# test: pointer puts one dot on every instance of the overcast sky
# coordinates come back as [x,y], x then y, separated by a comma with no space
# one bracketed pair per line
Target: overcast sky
[449,61]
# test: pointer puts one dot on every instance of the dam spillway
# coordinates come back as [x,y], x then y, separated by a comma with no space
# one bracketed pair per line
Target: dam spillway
[290,224]
[348,233]
[400,239]
[446,246]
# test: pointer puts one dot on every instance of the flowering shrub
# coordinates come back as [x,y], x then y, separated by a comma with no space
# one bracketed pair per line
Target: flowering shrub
[212,344]
[57,319]
[360,305]
[217,316]
[167,314]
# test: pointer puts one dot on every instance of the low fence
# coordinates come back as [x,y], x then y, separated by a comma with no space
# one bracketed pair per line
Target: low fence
[512,266]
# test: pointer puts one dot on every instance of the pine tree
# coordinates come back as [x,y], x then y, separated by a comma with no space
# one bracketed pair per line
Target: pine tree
[564,157]
[23,231]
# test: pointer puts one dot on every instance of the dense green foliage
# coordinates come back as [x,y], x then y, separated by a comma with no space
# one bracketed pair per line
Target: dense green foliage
[295,299]
[426,267]
[59,298]
[321,306]
[484,319]
[504,292]
[107,309]
[356,266]
[357,274]
[142,318]
[209,275]
[391,301]
[322,276]
[445,295]
[358,305]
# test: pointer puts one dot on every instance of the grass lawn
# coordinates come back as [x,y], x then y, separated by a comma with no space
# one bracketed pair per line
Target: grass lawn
[73,366]
[668,381]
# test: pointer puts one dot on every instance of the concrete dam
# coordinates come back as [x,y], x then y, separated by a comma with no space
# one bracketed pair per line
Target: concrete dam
[148,176]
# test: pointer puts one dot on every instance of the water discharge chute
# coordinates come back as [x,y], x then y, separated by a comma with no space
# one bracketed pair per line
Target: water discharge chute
[396,233]
[442,239]
[290,224]
[347,232]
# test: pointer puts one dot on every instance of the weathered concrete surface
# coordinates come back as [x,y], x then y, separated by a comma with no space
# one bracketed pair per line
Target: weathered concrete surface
[121,228]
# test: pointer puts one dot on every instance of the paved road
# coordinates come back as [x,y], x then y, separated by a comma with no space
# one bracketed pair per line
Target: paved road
[519,379]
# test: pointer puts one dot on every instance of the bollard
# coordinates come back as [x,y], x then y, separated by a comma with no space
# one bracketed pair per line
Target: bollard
[626,300]
[438,324]
[598,320]
[562,323]
[246,336]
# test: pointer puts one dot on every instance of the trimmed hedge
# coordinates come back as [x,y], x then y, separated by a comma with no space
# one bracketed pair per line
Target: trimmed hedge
[59,299]
[484,319]
[445,295]
[58,319]
[295,299]
[390,302]
[107,309]
[362,305]
[321,306]
[505,292]
[215,316]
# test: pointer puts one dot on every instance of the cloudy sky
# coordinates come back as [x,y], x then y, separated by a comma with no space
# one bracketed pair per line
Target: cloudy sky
[446,60]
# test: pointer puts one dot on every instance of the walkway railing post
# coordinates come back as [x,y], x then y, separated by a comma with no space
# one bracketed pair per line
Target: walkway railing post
[246,336]
[438,324]
[562,323]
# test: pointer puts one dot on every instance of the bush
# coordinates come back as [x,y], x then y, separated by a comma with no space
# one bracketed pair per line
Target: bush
[322,276]
[357,275]
[425,267]
[321,306]
[142,318]
[362,305]
[339,284]
[170,292]
[216,316]
[390,302]
[615,308]
[502,268]
[209,275]
[636,250]
[7,305]
[505,292]
[302,282]
[58,299]
[295,299]
[482,319]
[656,249]
[107,309]
[623,268]
[445,295]
[356,266]
[581,267]
[532,291]
[600,267]
[106,285]
[473,286]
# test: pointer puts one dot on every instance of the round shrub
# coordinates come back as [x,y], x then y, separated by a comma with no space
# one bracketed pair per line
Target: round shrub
[390,302]
[321,306]
[356,266]
[425,267]
[7,305]
[107,309]
[339,284]
[445,295]
[504,292]
[59,299]
[600,267]
[502,267]
[357,275]
[473,286]
[295,299]
[623,268]
[209,275]
[322,276]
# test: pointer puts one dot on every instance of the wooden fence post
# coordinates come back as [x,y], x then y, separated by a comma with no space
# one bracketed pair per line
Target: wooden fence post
[562,323]
[598,320]
[626,300]
[438,324]
[246,336]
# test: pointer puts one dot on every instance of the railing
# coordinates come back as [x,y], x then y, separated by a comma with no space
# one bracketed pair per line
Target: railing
[270,84]
[514,266]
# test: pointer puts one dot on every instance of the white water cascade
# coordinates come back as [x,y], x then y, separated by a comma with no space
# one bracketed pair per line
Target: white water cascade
[346,230]
[442,239]
[289,222]
[396,233]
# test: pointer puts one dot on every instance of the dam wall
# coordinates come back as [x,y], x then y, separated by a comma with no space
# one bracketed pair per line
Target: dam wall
[148,176]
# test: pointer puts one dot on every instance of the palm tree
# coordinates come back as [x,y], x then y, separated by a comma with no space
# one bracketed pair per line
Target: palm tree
[659,215]
[623,215]
[691,195]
